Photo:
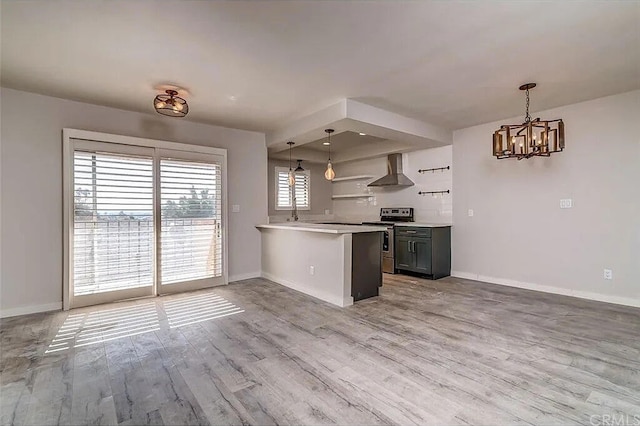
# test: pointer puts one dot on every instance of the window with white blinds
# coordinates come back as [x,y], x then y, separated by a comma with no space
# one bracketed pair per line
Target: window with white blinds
[113,224]
[191,231]
[285,193]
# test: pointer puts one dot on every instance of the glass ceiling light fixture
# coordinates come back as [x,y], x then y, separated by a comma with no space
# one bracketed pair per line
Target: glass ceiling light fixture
[299,168]
[171,104]
[329,174]
[292,176]
[533,138]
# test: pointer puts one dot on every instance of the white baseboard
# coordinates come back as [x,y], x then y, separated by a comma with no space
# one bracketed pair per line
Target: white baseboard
[240,277]
[348,301]
[33,309]
[627,301]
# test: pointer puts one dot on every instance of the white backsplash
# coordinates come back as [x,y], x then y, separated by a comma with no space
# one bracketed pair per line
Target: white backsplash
[427,208]
[302,218]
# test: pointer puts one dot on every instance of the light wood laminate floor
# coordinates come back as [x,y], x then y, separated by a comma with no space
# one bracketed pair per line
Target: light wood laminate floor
[450,351]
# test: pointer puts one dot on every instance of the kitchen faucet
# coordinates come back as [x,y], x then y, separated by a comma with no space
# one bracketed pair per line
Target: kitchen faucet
[294,210]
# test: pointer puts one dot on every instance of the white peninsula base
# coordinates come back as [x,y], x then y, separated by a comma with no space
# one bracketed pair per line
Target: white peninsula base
[318,260]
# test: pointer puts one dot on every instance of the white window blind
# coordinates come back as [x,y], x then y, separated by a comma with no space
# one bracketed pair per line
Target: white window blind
[191,231]
[113,233]
[301,189]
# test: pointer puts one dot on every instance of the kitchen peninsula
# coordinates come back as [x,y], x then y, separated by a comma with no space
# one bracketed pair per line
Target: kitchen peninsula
[339,264]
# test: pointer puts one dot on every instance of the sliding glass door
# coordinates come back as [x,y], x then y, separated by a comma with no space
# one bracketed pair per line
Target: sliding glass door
[142,221]
[190,254]
[113,215]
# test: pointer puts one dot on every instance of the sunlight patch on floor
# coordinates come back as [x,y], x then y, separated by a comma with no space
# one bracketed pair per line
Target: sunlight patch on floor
[100,326]
[82,329]
[198,308]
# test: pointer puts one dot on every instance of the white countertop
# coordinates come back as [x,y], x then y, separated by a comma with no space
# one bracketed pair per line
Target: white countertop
[423,225]
[318,227]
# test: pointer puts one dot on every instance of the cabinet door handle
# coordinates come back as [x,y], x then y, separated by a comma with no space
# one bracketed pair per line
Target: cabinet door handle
[409,246]
[410,232]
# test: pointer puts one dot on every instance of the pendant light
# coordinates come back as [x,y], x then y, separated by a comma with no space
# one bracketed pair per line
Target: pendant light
[299,168]
[329,174]
[533,138]
[292,177]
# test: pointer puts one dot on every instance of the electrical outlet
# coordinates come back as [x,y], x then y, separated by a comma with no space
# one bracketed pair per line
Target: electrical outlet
[608,274]
[235,208]
[566,203]
[470,212]
[312,270]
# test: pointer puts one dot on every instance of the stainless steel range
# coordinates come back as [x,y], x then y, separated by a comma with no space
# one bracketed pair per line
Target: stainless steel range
[389,216]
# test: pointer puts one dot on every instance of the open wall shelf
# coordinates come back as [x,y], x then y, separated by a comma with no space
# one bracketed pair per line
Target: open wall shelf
[339,197]
[358,177]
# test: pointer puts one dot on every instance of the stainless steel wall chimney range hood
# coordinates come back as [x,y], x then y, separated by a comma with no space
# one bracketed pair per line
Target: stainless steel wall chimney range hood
[394,176]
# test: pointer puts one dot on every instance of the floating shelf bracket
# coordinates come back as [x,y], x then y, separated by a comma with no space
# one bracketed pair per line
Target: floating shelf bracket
[433,192]
[434,169]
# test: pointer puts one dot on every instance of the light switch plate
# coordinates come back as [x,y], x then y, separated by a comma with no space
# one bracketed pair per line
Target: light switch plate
[470,212]
[235,208]
[566,203]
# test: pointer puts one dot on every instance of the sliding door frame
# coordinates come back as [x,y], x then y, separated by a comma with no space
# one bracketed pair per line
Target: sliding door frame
[71,140]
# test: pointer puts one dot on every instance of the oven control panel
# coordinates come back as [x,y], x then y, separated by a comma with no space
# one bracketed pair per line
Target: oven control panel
[398,212]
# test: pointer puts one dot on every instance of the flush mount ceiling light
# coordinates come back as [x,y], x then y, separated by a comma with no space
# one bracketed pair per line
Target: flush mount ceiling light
[533,138]
[329,174]
[171,104]
[299,168]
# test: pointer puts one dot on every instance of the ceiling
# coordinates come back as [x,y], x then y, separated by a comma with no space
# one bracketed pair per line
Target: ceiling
[260,64]
[341,144]
[341,141]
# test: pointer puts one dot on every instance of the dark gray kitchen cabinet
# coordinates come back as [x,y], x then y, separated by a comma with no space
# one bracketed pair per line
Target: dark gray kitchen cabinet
[404,256]
[422,250]
[366,265]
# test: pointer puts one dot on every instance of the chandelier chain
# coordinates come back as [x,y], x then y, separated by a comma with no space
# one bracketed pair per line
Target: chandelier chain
[527,118]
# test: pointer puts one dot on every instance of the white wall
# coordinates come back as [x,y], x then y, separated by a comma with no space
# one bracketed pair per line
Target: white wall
[320,190]
[519,236]
[426,207]
[31,191]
